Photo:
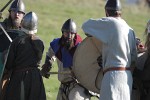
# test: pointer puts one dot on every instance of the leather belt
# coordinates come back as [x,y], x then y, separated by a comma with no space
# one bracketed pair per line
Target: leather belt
[24,69]
[116,69]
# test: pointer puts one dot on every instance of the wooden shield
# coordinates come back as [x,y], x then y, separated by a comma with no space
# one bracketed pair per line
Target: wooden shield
[85,64]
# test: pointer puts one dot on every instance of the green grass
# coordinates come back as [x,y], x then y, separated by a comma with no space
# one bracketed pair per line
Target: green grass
[53,13]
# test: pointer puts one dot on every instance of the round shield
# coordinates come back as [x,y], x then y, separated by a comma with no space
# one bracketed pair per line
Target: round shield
[85,64]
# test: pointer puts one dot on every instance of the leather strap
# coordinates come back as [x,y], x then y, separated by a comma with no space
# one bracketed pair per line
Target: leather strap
[24,69]
[116,69]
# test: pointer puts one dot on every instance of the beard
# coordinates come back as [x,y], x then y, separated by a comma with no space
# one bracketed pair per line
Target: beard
[67,43]
[16,23]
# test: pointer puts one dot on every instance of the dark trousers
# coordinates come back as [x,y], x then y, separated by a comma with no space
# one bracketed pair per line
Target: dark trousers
[145,93]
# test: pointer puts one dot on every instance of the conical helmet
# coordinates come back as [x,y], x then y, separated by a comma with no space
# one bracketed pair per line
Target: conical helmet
[29,23]
[69,26]
[113,5]
[17,5]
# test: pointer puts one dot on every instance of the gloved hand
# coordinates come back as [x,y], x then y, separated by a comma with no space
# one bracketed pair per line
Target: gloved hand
[45,70]
[46,75]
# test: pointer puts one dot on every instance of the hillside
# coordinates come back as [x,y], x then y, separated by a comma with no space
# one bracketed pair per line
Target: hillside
[53,13]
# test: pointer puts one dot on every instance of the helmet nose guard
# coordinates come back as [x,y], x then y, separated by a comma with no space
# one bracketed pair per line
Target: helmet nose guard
[69,26]
[17,5]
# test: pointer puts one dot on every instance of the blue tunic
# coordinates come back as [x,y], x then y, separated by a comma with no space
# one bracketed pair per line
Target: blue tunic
[62,53]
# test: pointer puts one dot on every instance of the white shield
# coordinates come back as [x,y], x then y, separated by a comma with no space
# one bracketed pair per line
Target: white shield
[86,69]
[85,65]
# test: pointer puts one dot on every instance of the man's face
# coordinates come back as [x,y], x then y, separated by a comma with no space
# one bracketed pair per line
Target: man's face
[16,17]
[68,39]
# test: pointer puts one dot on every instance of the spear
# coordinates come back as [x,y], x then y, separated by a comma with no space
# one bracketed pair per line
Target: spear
[7,54]
[5,32]
[4,8]
[66,72]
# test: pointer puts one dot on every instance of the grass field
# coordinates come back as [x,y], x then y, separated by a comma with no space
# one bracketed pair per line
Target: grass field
[53,13]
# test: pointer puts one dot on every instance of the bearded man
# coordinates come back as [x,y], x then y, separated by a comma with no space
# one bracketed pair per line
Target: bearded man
[63,50]
[16,14]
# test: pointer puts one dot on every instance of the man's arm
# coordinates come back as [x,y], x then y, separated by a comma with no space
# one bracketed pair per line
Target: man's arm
[50,58]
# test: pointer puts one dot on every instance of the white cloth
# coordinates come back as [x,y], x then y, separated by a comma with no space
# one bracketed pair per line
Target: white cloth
[77,92]
[61,77]
[118,50]
[119,43]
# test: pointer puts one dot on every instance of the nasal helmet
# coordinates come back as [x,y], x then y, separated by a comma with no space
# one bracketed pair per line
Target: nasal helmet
[29,23]
[69,26]
[17,5]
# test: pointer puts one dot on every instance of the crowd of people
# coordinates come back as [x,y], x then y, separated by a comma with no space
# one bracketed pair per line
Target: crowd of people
[121,50]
